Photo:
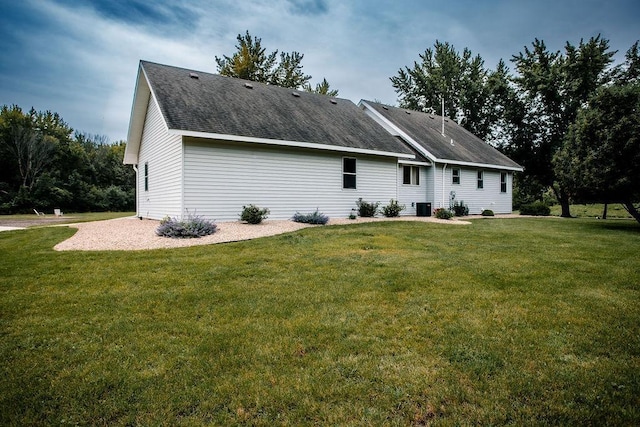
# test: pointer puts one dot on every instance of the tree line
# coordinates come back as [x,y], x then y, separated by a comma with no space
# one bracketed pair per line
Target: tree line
[45,165]
[570,118]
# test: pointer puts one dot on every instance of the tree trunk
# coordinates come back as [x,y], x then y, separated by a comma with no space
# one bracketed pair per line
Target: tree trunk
[604,212]
[629,206]
[563,199]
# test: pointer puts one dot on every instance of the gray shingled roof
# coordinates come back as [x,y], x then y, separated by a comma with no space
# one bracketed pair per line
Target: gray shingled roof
[223,105]
[425,129]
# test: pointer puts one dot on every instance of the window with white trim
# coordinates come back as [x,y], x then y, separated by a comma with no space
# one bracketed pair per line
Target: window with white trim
[503,182]
[411,175]
[480,180]
[348,172]
[455,176]
[146,176]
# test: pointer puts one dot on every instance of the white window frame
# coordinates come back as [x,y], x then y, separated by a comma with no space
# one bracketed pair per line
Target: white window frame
[414,175]
[354,173]
[455,173]
[480,180]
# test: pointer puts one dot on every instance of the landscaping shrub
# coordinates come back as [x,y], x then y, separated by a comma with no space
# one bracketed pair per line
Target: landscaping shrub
[442,213]
[460,209]
[393,209]
[487,212]
[312,218]
[193,226]
[366,209]
[253,214]
[535,208]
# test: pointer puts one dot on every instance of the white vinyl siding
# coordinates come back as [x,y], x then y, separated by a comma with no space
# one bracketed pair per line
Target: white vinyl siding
[222,177]
[489,197]
[159,193]
[410,195]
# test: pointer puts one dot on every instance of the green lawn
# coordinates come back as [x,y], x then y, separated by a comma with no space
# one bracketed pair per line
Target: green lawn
[614,211]
[505,321]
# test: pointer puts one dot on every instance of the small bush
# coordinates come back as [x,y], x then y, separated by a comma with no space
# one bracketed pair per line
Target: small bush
[393,209]
[366,209]
[312,218]
[352,215]
[460,209]
[193,226]
[535,209]
[253,214]
[442,213]
[487,212]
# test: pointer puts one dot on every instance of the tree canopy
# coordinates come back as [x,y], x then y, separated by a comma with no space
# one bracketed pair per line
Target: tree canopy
[470,91]
[252,62]
[42,166]
[600,159]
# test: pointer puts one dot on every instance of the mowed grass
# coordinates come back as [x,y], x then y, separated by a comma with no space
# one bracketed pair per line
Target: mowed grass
[614,211]
[505,321]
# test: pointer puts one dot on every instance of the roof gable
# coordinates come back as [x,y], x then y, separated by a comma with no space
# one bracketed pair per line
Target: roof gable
[194,101]
[458,145]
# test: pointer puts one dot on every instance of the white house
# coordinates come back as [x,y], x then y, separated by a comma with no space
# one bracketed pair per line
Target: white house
[207,144]
[463,167]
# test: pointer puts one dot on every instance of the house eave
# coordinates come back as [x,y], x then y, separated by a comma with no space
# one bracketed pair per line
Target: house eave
[479,165]
[283,143]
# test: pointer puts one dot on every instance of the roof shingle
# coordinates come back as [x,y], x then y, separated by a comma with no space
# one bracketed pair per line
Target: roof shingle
[425,129]
[221,105]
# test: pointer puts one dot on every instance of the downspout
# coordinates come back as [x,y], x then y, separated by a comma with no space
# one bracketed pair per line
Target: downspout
[135,168]
[444,168]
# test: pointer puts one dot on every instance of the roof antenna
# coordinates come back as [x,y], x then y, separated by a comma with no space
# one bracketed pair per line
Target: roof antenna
[442,99]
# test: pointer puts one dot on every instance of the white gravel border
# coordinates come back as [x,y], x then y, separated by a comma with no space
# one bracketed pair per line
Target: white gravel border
[131,234]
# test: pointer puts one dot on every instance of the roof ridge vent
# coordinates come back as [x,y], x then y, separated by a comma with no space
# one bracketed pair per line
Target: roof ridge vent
[407,111]
[248,85]
[296,94]
[194,75]
[384,107]
[333,101]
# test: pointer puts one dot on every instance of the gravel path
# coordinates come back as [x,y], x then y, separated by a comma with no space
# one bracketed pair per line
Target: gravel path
[135,234]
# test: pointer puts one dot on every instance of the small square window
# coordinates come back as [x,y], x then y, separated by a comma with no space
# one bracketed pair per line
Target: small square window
[411,175]
[455,174]
[348,172]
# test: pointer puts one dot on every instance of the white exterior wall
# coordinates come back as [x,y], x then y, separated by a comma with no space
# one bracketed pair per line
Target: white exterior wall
[489,197]
[410,195]
[222,177]
[163,153]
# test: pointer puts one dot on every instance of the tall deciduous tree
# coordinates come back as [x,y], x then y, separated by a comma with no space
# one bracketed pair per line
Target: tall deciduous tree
[600,160]
[252,62]
[552,87]
[468,88]
[42,166]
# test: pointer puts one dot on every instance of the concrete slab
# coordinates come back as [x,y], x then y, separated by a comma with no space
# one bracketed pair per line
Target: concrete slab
[4,228]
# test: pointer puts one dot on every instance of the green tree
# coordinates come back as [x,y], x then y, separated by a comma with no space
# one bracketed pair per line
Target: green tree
[468,88]
[551,88]
[252,62]
[322,88]
[42,166]
[600,160]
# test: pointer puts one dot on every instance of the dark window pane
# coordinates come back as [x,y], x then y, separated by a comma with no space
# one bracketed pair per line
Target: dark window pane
[406,174]
[349,165]
[349,181]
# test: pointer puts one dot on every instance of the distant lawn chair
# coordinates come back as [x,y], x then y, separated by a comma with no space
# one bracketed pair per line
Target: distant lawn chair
[38,213]
[57,212]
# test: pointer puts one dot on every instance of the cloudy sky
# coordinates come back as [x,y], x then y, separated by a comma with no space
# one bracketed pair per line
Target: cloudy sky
[79,58]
